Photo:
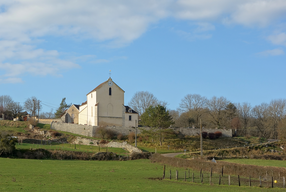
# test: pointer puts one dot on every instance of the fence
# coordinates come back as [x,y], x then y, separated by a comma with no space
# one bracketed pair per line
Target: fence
[221,179]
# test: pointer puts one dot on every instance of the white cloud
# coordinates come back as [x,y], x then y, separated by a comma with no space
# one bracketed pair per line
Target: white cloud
[11,80]
[116,23]
[273,52]
[278,39]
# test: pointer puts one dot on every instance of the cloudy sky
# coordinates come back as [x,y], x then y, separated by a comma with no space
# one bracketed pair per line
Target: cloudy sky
[53,49]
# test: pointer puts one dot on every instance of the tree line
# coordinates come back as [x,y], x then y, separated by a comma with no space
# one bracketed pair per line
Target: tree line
[266,120]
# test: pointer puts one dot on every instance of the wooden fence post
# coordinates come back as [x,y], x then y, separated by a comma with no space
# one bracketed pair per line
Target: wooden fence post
[164,168]
[222,171]
[228,179]
[249,181]
[211,172]
[238,180]
[219,179]
[210,178]
[193,177]
[200,173]
[189,174]
[177,174]
[170,175]
[272,182]
[202,178]
[283,182]
[185,176]
[260,184]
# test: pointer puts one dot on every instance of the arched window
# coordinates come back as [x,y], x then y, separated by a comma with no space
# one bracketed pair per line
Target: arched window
[109,90]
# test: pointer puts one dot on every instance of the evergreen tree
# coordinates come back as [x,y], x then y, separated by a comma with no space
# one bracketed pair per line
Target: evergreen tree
[63,106]
[157,117]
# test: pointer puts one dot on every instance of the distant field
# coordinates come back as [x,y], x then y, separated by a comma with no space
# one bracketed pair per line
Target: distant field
[58,175]
[259,162]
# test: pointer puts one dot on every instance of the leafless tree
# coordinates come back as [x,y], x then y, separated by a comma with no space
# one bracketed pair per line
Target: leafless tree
[244,113]
[194,104]
[15,108]
[260,115]
[142,100]
[32,105]
[276,111]
[217,107]
[4,101]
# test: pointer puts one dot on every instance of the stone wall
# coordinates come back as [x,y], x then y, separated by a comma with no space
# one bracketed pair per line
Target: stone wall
[94,142]
[49,121]
[85,130]
[90,130]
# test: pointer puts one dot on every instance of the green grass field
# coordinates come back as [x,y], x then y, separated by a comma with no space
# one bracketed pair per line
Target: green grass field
[58,175]
[259,162]
[71,147]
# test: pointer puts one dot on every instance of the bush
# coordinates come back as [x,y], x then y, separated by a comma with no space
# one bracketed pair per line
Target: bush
[131,137]
[119,136]
[212,136]
[204,134]
[103,141]
[110,134]
[101,132]
[218,134]
[33,121]
[55,134]
[7,144]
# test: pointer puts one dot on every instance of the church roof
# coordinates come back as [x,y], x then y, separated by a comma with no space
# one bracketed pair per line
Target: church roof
[84,103]
[129,110]
[100,85]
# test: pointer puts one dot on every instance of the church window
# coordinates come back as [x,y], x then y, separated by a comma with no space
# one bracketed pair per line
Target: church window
[92,111]
[91,95]
[109,90]
[130,117]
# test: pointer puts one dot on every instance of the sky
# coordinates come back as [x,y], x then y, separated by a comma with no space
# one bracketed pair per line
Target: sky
[54,49]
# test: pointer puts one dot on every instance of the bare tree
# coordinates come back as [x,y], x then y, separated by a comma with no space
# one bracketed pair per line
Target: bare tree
[142,100]
[32,105]
[260,115]
[194,104]
[244,113]
[217,107]
[276,111]
[4,101]
[15,108]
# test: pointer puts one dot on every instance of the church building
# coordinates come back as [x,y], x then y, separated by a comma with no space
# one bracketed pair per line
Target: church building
[104,106]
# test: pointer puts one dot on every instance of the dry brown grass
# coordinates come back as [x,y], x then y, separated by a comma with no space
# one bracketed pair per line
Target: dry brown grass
[228,168]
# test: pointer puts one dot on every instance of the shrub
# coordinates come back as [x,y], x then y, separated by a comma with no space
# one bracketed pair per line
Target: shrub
[102,141]
[101,132]
[55,134]
[204,134]
[7,144]
[212,136]
[110,134]
[33,121]
[218,134]
[119,136]
[140,139]
[131,137]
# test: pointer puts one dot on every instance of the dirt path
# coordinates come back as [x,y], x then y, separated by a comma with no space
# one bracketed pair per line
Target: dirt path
[171,154]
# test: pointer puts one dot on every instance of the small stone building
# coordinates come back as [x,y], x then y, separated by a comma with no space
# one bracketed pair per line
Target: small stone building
[71,114]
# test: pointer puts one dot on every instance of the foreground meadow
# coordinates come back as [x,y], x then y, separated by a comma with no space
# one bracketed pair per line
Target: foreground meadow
[57,175]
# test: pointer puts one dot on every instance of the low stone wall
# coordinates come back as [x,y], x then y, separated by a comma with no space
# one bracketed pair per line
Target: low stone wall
[125,146]
[49,121]
[90,130]
[85,130]
[94,142]
[196,131]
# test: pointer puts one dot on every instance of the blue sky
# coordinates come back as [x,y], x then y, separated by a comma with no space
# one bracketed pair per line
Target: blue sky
[53,49]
